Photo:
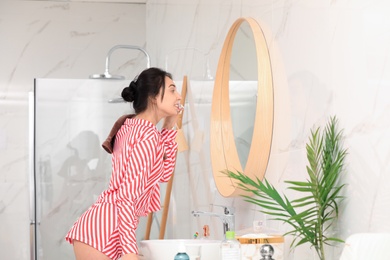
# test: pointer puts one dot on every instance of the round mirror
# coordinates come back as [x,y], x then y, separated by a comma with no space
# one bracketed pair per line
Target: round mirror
[224,153]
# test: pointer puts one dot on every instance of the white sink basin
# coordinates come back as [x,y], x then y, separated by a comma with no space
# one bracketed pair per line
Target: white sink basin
[166,249]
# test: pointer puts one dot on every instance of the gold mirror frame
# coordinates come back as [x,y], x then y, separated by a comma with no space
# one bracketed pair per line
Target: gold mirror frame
[223,149]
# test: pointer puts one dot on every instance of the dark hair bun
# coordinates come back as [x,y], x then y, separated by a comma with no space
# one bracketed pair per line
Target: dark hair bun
[128,93]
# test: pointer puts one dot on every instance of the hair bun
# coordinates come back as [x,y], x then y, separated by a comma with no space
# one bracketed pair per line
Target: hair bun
[128,93]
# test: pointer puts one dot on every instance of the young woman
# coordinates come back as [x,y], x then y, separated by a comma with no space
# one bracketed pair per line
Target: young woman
[142,156]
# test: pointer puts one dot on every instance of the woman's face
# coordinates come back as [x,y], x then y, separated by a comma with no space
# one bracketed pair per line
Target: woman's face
[170,104]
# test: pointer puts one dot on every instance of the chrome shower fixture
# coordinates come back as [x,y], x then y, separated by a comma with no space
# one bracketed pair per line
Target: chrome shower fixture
[106,74]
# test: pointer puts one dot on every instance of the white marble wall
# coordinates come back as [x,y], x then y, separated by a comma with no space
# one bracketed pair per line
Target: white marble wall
[51,39]
[328,58]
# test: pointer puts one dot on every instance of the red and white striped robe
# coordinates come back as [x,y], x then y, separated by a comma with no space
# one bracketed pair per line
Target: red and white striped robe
[142,157]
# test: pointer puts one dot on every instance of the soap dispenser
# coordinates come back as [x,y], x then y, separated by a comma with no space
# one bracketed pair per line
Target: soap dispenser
[230,248]
[182,255]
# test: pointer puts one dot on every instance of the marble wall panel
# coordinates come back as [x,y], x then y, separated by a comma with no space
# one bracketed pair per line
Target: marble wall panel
[50,39]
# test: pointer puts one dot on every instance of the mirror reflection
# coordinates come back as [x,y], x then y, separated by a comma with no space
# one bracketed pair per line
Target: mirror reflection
[243,61]
[243,90]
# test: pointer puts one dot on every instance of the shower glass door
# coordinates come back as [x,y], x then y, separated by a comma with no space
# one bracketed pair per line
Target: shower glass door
[71,119]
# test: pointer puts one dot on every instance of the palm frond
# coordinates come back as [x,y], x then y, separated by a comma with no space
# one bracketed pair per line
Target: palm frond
[318,208]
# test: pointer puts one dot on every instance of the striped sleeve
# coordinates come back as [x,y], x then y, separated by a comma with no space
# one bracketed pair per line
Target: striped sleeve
[137,168]
[170,148]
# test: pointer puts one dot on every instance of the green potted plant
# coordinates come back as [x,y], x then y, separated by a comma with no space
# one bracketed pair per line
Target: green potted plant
[312,215]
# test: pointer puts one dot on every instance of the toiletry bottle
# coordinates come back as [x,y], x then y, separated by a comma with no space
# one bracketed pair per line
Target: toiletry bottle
[206,232]
[230,247]
[182,255]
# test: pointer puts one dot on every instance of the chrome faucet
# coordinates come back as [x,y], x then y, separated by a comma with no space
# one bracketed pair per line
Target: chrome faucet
[227,217]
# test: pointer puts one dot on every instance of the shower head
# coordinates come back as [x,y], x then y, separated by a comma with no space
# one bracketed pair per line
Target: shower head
[116,100]
[106,74]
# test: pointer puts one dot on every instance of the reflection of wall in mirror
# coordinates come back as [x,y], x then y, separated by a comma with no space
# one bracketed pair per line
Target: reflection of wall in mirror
[243,63]
[243,98]
[243,89]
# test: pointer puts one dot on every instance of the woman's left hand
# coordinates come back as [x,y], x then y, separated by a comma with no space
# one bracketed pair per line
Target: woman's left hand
[170,121]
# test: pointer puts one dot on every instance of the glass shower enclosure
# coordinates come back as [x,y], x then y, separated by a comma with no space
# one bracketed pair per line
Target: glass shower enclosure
[69,120]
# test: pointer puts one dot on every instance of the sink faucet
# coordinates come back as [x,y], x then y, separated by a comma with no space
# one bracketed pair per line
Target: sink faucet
[227,217]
